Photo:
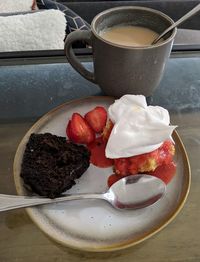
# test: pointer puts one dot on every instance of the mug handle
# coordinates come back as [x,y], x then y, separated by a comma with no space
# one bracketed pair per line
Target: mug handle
[76,64]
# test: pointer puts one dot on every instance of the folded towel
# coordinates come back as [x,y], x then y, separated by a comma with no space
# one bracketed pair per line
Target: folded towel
[42,30]
[74,21]
[9,6]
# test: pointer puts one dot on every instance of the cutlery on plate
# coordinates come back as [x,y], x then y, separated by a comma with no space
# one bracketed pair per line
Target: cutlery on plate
[131,192]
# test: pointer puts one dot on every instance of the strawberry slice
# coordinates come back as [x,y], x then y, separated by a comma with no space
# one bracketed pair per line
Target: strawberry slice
[112,179]
[97,157]
[68,130]
[121,166]
[97,118]
[79,131]
[165,172]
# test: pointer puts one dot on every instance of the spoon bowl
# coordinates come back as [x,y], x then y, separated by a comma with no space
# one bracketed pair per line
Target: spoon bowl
[136,191]
[132,192]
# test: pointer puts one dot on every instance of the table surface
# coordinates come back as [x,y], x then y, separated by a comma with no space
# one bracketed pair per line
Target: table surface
[29,91]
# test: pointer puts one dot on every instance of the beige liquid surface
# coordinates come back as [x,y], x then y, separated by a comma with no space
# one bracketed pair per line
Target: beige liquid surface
[129,35]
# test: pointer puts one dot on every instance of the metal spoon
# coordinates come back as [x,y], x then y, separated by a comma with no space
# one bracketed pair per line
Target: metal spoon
[132,192]
[178,22]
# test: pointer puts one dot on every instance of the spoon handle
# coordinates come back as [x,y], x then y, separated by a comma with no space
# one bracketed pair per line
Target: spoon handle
[9,202]
[178,22]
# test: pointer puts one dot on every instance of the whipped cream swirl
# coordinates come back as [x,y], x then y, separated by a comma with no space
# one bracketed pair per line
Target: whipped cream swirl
[138,128]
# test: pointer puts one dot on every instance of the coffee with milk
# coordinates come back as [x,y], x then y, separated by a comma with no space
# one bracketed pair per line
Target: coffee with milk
[128,35]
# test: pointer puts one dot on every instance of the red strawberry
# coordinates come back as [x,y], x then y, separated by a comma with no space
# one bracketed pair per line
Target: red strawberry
[121,166]
[79,131]
[68,130]
[112,179]
[97,149]
[165,172]
[166,152]
[97,118]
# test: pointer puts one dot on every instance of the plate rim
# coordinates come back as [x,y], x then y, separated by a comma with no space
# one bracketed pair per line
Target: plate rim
[122,244]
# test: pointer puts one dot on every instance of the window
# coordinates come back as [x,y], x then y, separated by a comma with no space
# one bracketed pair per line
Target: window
[188,37]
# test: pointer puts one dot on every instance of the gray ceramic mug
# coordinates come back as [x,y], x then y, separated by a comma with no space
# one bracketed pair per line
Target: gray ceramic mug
[118,69]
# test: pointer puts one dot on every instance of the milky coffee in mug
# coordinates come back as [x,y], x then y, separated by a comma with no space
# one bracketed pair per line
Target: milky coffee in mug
[123,67]
[129,35]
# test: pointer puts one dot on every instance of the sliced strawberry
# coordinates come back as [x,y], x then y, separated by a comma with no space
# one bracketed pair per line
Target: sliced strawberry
[79,131]
[97,118]
[166,152]
[97,149]
[121,166]
[68,130]
[147,162]
[112,179]
[165,172]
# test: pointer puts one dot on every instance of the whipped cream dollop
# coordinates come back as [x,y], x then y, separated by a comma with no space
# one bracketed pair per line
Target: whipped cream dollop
[138,128]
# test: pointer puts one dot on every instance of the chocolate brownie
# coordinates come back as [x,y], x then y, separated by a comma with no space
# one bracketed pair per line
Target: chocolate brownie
[51,164]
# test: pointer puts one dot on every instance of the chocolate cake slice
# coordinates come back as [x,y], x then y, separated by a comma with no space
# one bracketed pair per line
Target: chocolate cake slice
[51,164]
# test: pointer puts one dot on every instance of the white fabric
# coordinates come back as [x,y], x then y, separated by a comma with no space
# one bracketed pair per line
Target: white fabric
[43,30]
[10,6]
[138,128]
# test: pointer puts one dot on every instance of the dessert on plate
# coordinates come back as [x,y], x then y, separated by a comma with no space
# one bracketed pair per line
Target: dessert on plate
[139,139]
[132,137]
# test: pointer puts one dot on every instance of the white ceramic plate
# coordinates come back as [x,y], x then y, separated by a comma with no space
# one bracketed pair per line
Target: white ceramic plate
[94,225]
